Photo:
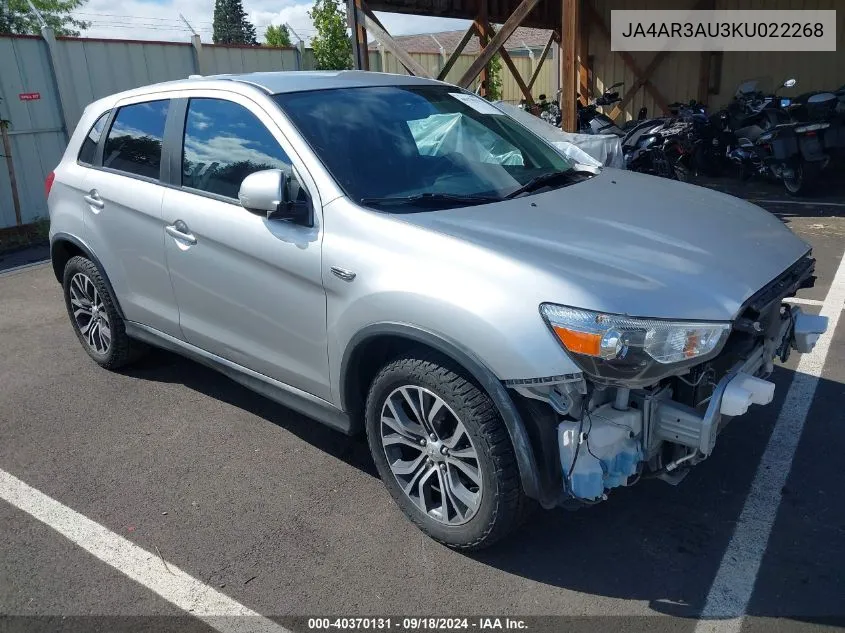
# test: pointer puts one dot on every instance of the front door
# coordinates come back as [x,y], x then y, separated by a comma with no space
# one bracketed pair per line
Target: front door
[248,289]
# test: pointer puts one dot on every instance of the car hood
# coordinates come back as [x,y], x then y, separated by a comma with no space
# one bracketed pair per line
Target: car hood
[633,244]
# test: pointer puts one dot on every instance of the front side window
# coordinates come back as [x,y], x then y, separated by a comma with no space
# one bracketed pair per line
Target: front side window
[89,145]
[224,143]
[407,148]
[134,141]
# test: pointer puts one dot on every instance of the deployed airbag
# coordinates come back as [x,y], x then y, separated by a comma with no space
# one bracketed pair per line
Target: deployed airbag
[587,149]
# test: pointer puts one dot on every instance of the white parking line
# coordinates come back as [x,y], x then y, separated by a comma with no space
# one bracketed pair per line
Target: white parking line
[166,579]
[733,585]
[804,302]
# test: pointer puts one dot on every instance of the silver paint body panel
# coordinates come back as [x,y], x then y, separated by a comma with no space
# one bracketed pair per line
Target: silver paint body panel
[260,294]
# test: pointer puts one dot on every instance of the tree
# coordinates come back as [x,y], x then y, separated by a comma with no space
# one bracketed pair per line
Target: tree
[494,79]
[277,36]
[17,18]
[332,47]
[231,25]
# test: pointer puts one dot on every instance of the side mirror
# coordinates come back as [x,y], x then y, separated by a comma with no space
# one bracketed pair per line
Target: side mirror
[268,192]
[789,83]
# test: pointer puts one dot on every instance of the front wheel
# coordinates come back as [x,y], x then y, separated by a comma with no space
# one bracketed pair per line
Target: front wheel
[443,451]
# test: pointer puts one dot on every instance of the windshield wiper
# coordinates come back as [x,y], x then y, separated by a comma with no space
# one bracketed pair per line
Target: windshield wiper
[433,199]
[546,179]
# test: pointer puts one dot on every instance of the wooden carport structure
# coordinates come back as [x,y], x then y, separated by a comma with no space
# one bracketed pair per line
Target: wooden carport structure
[569,22]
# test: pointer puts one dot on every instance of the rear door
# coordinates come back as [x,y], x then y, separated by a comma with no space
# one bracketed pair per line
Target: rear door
[123,197]
[249,289]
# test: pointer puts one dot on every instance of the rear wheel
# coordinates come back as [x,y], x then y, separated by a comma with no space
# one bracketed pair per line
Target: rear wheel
[94,317]
[795,181]
[443,451]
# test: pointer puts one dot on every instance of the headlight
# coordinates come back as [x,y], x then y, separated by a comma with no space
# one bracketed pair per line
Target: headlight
[626,349]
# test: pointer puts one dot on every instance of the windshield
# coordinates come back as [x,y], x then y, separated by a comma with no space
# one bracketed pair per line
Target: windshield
[423,146]
[758,84]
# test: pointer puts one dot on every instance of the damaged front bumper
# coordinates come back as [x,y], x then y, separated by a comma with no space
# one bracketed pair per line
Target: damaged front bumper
[649,432]
[590,436]
[741,387]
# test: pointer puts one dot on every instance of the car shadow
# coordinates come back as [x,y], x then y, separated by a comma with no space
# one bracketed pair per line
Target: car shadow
[654,543]
[163,366]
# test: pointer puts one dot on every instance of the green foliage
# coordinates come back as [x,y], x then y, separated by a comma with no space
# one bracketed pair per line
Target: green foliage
[332,46]
[494,79]
[277,36]
[231,25]
[16,17]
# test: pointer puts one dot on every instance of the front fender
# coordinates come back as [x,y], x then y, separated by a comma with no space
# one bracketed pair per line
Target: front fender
[526,460]
[512,343]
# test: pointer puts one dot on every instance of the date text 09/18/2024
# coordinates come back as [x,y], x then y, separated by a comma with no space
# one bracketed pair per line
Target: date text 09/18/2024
[416,623]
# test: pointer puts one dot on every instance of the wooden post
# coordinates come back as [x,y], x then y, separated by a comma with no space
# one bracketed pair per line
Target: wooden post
[520,13]
[7,152]
[383,37]
[584,84]
[540,61]
[483,41]
[568,62]
[598,21]
[526,92]
[705,63]
[360,52]
[457,52]
[642,80]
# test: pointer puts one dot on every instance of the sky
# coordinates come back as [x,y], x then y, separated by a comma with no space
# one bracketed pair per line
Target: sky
[159,19]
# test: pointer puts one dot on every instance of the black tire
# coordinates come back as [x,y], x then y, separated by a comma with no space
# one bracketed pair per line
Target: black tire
[121,349]
[682,172]
[503,504]
[797,185]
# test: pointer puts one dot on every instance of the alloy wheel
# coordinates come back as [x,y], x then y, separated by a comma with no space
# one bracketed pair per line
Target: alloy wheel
[431,455]
[89,313]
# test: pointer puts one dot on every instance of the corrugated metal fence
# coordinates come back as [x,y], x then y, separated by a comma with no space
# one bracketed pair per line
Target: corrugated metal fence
[35,127]
[80,71]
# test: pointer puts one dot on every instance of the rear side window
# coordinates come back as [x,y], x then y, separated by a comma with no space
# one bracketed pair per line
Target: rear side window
[134,141]
[225,143]
[89,145]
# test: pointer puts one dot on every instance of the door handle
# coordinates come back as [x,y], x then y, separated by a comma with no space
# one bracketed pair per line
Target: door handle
[180,231]
[93,198]
[342,273]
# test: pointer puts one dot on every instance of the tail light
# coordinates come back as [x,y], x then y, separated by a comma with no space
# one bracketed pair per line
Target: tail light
[48,183]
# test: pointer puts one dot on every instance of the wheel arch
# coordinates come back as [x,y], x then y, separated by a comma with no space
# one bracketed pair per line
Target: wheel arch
[63,247]
[372,346]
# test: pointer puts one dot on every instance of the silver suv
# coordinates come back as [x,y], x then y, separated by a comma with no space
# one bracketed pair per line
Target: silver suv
[396,255]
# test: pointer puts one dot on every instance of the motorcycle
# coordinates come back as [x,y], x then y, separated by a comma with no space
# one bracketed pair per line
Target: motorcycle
[770,143]
[592,121]
[547,110]
[705,140]
[659,147]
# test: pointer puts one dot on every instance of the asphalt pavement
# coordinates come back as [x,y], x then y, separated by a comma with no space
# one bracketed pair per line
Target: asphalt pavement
[288,518]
